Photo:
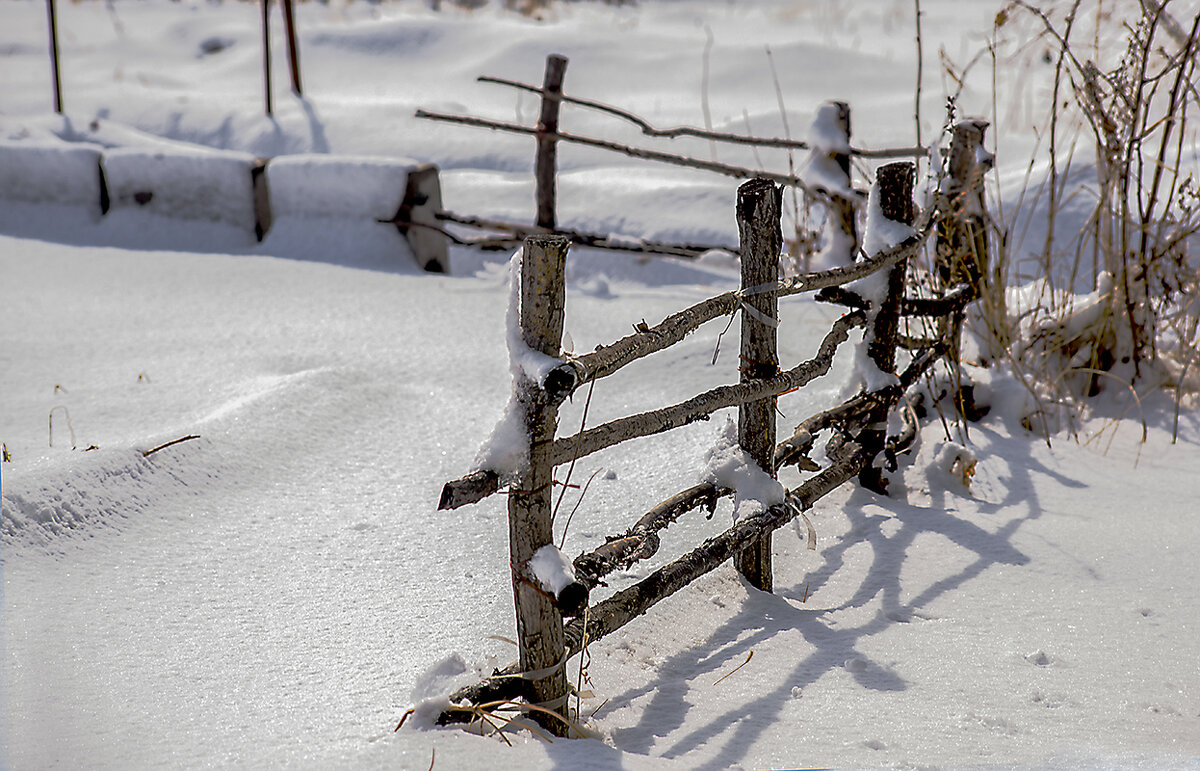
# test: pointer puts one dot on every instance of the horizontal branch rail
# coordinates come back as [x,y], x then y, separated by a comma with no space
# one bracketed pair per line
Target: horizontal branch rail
[729,170]
[600,240]
[569,448]
[608,359]
[679,131]
[641,541]
[951,302]
[609,615]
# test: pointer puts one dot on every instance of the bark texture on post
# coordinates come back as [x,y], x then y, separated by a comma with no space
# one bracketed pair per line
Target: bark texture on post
[547,143]
[895,185]
[539,624]
[758,212]
[842,210]
[961,253]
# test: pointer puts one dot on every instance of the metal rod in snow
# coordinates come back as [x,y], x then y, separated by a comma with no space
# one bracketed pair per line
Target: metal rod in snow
[54,69]
[289,23]
[266,37]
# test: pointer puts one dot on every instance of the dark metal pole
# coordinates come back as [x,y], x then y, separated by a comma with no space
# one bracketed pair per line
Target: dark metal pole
[54,71]
[289,22]
[266,28]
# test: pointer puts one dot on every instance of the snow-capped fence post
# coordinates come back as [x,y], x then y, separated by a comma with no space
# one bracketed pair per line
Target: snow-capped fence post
[961,245]
[539,623]
[547,141]
[843,228]
[758,217]
[52,20]
[894,182]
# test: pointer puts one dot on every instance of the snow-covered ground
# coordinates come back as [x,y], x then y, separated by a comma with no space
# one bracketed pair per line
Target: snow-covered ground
[278,591]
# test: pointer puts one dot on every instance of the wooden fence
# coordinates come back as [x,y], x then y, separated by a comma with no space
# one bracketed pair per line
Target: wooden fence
[858,447]
[830,183]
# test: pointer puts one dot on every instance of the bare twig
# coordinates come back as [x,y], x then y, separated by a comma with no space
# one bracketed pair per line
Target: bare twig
[739,666]
[691,131]
[729,170]
[187,438]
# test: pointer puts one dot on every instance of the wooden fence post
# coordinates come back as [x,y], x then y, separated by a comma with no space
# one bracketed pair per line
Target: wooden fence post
[52,19]
[961,253]
[289,23]
[266,31]
[547,144]
[539,623]
[895,182]
[758,212]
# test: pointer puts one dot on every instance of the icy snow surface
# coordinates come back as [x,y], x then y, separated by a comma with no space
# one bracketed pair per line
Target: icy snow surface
[277,592]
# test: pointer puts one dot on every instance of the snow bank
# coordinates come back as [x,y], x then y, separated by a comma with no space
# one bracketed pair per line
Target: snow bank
[51,172]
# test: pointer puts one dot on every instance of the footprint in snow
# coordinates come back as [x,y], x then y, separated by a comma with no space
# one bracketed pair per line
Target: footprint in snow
[1039,658]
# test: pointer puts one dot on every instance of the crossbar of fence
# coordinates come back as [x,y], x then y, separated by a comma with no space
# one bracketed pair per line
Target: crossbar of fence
[692,131]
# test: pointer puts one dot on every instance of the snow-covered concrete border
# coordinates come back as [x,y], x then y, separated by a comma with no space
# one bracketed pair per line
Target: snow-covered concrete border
[212,198]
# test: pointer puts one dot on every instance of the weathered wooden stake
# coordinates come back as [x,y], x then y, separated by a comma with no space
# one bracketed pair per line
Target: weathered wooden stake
[961,253]
[289,23]
[547,143]
[758,212]
[266,30]
[539,623]
[262,198]
[842,210]
[54,70]
[895,183]
[417,219]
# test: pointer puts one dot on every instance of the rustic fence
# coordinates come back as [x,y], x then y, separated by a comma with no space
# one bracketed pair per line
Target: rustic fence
[828,182]
[858,447]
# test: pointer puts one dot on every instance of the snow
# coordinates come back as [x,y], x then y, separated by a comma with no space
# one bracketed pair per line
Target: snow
[879,235]
[279,591]
[727,465]
[506,450]
[552,569]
